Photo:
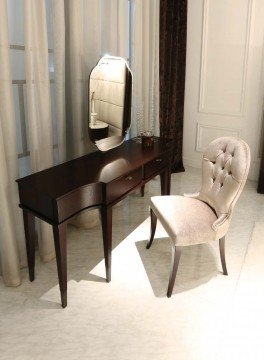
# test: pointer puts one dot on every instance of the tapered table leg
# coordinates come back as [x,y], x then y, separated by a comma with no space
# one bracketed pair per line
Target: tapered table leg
[106,219]
[169,179]
[165,182]
[29,226]
[59,232]
[142,190]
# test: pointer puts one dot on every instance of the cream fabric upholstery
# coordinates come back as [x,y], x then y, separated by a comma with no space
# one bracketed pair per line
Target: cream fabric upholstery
[108,83]
[189,220]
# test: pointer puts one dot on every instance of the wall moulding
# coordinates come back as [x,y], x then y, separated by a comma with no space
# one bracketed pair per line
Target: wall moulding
[207,133]
[230,53]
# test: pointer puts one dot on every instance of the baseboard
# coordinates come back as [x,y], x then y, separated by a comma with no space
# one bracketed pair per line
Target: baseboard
[192,162]
[254,170]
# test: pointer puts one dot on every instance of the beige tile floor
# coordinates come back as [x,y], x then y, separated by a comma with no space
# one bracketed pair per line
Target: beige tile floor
[209,316]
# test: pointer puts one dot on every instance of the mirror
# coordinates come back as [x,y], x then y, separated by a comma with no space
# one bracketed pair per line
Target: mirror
[110,91]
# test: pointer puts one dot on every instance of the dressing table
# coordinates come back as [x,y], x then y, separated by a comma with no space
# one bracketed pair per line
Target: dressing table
[99,179]
[96,180]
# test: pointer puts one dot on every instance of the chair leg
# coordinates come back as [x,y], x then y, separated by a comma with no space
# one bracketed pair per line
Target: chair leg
[153,224]
[222,254]
[176,254]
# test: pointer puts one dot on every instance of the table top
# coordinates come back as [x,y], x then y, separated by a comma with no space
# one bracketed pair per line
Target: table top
[96,167]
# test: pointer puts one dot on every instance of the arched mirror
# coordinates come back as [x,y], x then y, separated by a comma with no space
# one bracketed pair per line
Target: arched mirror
[110,91]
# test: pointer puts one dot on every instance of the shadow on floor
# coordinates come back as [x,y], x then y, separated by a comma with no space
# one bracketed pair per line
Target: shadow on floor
[84,253]
[197,265]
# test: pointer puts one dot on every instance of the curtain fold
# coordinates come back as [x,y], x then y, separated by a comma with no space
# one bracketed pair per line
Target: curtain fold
[80,34]
[79,29]
[172,57]
[39,104]
[114,27]
[75,84]
[59,74]
[12,242]
[145,66]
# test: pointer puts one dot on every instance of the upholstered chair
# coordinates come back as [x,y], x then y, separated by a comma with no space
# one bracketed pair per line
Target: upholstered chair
[205,216]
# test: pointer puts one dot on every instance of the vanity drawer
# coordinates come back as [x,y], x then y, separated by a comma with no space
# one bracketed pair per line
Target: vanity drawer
[121,186]
[79,199]
[155,165]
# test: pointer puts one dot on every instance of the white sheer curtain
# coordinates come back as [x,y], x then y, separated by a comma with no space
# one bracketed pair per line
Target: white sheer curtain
[76,39]
[59,70]
[145,66]
[39,103]
[41,131]
[115,27]
[82,19]
[12,242]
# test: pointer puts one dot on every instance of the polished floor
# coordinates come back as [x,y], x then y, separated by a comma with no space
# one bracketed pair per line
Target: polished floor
[209,316]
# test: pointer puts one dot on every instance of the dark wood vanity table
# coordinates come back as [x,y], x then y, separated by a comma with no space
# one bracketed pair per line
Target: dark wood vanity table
[96,180]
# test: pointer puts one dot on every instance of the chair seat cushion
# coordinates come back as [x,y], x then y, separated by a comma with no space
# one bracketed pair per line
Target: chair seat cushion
[187,221]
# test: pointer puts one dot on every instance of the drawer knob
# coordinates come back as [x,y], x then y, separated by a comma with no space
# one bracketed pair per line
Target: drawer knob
[129,178]
[158,160]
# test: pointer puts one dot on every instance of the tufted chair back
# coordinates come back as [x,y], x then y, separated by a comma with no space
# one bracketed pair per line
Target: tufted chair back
[224,172]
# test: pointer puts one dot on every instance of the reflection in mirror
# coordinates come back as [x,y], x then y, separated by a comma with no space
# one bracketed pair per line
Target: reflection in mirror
[110,89]
[114,167]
